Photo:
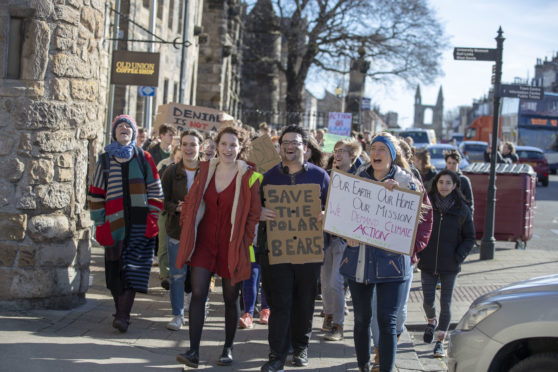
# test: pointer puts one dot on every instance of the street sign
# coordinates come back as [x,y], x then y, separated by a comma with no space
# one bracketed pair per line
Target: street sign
[365,104]
[146,91]
[474,54]
[521,91]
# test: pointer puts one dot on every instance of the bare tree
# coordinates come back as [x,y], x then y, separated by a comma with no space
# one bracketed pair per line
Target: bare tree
[401,39]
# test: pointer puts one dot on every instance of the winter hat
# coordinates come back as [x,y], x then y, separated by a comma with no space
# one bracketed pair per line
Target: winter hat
[388,143]
[127,119]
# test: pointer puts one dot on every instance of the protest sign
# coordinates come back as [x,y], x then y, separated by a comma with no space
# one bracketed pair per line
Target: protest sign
[365,210]
[263,154]
[191,117]
[340,123]
[295,236]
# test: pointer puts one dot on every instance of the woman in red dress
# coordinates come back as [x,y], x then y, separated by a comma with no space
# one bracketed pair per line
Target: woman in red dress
[218,221]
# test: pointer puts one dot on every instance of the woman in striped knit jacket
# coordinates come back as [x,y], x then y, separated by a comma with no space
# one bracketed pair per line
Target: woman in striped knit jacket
[125,198]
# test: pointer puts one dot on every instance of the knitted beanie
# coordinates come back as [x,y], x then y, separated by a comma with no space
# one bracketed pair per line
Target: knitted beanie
[127,119]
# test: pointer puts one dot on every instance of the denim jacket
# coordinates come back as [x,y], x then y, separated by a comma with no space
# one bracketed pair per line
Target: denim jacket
[368,264]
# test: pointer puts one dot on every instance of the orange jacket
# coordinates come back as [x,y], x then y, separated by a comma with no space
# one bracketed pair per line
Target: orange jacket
[244,217]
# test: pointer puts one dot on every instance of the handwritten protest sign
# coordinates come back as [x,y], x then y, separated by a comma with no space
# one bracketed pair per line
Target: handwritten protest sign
[364,210]
[191,117]
[339,123]
[295,236]
[263,154]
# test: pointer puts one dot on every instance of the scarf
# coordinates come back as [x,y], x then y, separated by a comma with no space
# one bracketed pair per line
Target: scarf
[444,204]
[117,150]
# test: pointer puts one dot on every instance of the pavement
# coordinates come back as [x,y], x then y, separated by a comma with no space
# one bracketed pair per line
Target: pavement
[82,339]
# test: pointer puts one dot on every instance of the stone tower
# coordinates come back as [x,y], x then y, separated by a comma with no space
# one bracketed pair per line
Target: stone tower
[52,100]
[357,79]
[260,75]
[437,111]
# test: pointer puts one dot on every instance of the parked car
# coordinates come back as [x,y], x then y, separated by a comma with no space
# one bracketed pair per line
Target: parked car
[514,328]
[437,155]
[421,137]
[535,158]
[473,150]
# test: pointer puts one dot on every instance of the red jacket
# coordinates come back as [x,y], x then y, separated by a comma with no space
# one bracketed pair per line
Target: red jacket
[245,216]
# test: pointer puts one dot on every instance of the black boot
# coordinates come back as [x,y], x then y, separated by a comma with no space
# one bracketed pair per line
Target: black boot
[364,368]
[124,304]
[226,357]
[191,358]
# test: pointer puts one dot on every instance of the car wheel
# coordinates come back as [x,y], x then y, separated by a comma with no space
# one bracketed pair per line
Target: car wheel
[545,182]
[543,362]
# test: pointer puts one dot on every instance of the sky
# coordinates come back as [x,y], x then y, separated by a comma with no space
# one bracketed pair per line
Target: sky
[529,29]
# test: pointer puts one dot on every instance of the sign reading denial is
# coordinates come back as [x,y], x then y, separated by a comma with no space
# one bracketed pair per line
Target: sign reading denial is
[365,210]
[295,236]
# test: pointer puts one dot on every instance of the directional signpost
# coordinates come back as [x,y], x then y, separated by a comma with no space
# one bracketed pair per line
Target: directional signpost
[495,55]
[474,54]
[521,91]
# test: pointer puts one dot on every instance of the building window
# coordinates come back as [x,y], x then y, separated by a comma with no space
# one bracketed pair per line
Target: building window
[180,14]
[146,3]
[175,93]
[166,92]
[15,43]
[171,14]
[160,9]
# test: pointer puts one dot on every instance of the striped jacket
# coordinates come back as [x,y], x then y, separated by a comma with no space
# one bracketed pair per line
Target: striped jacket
[129,200]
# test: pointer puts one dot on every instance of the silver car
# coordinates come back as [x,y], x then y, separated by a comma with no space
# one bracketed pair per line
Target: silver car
[514,328]
[473,150]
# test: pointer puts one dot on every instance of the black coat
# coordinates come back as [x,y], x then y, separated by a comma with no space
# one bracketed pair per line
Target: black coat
[452,238]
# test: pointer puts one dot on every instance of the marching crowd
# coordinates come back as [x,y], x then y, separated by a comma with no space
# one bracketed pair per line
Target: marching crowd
[193,204]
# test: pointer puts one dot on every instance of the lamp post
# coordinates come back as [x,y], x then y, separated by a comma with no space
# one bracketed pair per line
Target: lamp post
[488,241]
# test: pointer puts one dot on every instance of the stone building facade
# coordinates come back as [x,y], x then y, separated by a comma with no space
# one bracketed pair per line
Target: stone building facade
[52,100]
[169,25]
[220,58]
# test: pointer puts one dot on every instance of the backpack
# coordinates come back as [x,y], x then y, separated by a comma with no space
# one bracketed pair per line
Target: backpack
[138,152]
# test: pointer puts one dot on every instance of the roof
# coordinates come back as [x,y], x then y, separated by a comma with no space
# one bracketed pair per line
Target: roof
[528,148]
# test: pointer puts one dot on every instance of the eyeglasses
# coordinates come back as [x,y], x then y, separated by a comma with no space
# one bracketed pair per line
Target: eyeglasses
[291,143]
[340,151]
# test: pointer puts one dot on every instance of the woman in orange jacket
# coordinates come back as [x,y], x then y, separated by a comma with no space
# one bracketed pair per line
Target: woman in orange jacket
[218,221]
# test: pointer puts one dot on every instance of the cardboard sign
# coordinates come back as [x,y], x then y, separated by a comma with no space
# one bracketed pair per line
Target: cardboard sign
[183,117]
[263,154]
[295,236]
[134,68]
[365,210]
[340,123]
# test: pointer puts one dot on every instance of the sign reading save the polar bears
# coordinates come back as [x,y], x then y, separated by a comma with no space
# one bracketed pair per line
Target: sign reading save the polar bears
[364,210]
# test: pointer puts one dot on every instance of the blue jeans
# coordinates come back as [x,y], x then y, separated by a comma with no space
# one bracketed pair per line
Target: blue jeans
[250,290]
[390,295]
[401,315]
[447,282]
[177,277]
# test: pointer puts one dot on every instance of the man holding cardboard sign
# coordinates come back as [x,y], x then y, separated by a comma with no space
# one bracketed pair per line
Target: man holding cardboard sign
[290,247]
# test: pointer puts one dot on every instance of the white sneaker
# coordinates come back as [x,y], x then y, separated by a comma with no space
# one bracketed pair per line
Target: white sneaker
[176,323]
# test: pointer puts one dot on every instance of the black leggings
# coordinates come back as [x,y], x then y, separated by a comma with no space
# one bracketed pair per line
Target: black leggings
[200,286]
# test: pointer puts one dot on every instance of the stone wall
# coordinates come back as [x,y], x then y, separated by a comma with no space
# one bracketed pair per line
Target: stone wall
[51,120]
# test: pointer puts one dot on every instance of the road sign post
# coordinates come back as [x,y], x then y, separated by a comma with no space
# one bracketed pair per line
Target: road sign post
[487,54]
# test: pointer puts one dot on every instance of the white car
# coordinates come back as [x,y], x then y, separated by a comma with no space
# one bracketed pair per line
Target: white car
[514,328]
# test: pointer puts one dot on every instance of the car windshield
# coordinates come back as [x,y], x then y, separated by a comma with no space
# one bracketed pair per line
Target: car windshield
[474,147]
[437,152]
[524,154]
[418,137]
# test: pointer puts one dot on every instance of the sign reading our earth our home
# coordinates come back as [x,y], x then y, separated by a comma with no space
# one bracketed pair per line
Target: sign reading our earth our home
[365,210]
